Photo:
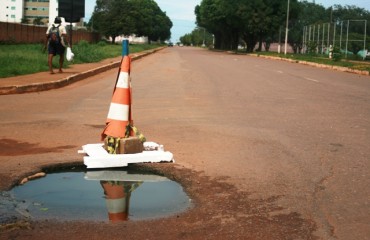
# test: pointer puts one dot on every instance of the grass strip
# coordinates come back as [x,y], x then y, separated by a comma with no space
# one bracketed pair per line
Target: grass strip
[352,62]
[21,59]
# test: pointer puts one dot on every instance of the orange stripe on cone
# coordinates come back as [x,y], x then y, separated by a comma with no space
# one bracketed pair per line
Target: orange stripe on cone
[119,114]
[118,96]
[118,217]
[126,65]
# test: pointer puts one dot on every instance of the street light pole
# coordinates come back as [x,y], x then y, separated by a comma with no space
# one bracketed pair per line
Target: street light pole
[286,28]
[204,37]
[70,25]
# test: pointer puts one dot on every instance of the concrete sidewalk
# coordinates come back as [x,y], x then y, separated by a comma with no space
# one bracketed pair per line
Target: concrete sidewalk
[43,81]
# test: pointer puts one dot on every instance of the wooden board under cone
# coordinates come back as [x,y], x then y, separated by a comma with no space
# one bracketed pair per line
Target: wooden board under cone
[128,145]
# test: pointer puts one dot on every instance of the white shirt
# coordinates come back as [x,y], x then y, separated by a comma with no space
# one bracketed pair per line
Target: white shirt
[62,29]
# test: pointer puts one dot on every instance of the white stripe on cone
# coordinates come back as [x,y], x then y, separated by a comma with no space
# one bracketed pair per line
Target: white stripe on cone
[116,205]
[118,112]
[123,80]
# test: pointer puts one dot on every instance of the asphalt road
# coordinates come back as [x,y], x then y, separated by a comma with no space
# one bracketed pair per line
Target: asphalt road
[294,134]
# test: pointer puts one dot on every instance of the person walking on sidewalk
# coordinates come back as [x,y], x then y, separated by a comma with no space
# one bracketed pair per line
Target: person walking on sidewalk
[55,43]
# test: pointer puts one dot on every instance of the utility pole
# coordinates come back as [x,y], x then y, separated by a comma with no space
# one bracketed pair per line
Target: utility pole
[286,28]
[204,37]
[279,47]
[70,25]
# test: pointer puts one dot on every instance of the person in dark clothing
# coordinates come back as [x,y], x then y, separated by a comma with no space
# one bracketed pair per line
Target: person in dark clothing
[55,43]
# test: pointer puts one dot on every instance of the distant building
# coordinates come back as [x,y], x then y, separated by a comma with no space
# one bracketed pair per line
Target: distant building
[15,10]
[11,10]
[53,11]
[36,9]
[132,39]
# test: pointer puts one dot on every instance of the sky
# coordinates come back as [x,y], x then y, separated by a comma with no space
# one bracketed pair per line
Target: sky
[182,14]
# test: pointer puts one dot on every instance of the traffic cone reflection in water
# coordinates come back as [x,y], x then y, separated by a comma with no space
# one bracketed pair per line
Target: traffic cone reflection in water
[117,196]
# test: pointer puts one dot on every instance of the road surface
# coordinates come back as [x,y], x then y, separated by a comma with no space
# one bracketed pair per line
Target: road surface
[268,149]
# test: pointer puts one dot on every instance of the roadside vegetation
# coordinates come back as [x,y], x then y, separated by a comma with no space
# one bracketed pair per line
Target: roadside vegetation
[258,23]
[20,59]
[353,62]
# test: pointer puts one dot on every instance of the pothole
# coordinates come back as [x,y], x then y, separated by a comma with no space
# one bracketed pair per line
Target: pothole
[98,195]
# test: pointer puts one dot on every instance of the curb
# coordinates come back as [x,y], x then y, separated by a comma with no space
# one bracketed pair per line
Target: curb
[37,87]
[337,68]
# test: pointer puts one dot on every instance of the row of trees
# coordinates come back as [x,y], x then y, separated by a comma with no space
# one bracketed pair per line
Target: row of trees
[253,22]
[36,21]
[113,18]
[198,37]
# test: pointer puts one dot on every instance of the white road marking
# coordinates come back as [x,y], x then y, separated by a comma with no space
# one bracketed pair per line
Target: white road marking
[311,79]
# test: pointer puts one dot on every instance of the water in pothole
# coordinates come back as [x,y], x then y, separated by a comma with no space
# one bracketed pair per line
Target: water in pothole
[104,195]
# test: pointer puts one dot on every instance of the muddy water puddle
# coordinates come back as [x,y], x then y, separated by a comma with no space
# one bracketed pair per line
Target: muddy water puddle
[104,195]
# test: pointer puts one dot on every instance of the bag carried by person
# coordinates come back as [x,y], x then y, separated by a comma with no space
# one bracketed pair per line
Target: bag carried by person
[54,34]
[69,54]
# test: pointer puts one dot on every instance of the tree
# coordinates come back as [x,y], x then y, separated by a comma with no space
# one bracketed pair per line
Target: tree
[314,15]
[186,39]
[162,29]
[274,17]
[125,17]
[218,17]
[252,20]
[347,13]
[25,20]
[307,13]
[259,21]
[110,18]
[252,16]
[197,37]
[38,21]
[153,22]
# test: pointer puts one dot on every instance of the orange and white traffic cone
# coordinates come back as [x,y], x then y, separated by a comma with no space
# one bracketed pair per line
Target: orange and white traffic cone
[119,115]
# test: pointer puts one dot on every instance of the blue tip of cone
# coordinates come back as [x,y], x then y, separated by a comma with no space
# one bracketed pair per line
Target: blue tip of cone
[125,48]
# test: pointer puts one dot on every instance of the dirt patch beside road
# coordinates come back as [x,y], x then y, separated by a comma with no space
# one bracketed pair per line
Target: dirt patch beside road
[11,147]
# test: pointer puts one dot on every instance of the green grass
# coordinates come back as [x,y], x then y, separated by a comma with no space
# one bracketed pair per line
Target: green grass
[20,59]
[353,62]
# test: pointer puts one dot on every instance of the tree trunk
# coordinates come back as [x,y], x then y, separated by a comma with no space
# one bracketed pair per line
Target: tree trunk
[251,41]
[113,39]
[259,49]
